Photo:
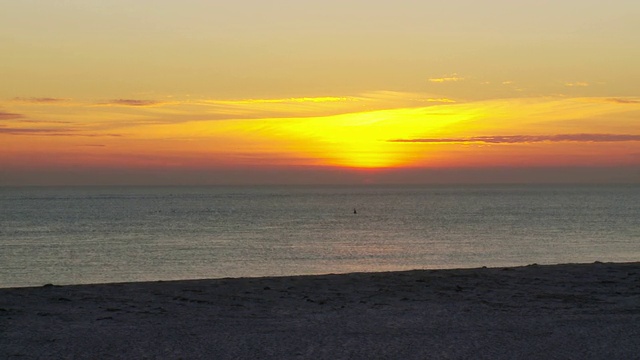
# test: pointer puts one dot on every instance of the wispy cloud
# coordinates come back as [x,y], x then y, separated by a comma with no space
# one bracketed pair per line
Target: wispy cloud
[31,121]
[577,84]
[440,100]
[51,132]
[517,139]
[165,110]
[40,100]
[31,131]
[323,99]
[132,102]
[372,97]
[448,78]
[232,102]
[301,107]
[9,116]
[623,101]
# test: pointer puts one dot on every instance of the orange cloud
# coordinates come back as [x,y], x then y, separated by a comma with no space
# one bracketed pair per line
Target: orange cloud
[9,116]
[30,121]
[51,132]
[40,100]
[132,102]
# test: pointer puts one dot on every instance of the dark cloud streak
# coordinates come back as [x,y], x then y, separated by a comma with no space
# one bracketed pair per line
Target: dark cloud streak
[623,101]
[51,132]
[132,102]
[46,122]
[9,116]
[521,139]
[40,100]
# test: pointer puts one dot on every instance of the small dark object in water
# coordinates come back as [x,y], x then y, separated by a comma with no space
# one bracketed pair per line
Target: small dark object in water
[354,211]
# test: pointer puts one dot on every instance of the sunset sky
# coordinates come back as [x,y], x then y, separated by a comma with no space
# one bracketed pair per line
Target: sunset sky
[165,92]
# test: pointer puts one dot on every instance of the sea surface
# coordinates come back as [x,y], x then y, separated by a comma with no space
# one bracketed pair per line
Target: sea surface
[72,235]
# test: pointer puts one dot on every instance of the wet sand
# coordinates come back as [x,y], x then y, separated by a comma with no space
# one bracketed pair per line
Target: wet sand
[573,311]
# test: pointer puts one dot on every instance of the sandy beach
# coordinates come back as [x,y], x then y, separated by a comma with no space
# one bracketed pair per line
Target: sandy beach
[573,311]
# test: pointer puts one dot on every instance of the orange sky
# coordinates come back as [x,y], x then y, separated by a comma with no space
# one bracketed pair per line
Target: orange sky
[331,92]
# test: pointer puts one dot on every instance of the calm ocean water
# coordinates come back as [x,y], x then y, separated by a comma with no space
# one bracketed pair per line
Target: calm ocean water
[114,234]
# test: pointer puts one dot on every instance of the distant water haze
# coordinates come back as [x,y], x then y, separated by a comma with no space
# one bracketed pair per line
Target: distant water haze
[67,235]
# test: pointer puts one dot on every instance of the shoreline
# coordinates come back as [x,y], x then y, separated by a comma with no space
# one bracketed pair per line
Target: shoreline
[586,311]
[313,275]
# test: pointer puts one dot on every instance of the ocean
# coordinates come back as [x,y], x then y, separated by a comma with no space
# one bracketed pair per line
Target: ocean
[76,235]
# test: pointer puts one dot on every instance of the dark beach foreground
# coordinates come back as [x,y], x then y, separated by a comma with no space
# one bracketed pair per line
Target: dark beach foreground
[573,311]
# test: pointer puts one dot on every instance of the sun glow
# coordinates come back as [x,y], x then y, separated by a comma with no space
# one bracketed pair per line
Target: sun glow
[356,132]
[358,140]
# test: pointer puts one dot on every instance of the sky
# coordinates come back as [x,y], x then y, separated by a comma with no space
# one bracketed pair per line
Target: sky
[195,92]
